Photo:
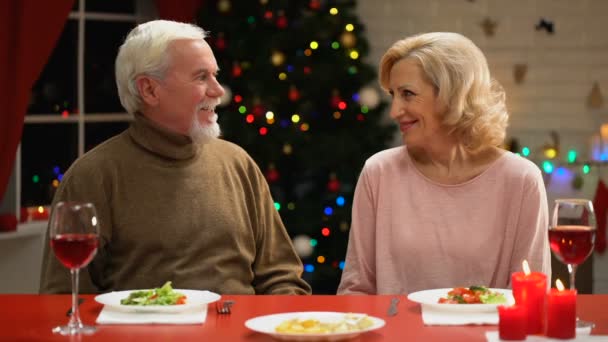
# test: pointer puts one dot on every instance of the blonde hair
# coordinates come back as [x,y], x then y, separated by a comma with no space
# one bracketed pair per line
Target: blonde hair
[459,71]
[145,52]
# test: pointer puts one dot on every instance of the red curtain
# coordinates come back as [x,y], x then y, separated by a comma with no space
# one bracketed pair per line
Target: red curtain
[29,31]
[183,10]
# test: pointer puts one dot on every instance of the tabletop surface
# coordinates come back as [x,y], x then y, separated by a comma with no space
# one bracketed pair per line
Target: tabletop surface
[31,318]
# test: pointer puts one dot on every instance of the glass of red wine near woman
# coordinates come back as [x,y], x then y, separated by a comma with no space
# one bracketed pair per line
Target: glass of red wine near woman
[572,236]
[74,235]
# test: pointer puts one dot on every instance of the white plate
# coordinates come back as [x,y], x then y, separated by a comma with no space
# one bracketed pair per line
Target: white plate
[431,298]
[267,324]
[194,299]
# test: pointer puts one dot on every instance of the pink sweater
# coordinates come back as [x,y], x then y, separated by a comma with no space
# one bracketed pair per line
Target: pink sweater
[409,233]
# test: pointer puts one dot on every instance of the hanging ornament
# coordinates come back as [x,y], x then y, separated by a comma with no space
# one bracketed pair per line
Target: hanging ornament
[369,97]
[294,94]
[258,110]
[348,40]
[314,4]
[224,6]
[334,184]
[236,69]
[551,148]
[519,73]
[287,149]
[489,27]
[227,97]
[281,20]
[577,182]
[595,99]
[512,145]
[278,58]
[302,245]
[220,42]
[272,175]
[335,99]
[545,25]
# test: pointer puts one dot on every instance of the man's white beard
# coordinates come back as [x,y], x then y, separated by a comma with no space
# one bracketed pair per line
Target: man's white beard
[202,134]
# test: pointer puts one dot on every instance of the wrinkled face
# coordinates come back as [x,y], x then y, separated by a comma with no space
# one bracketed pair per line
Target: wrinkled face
[415,105]
[189,92]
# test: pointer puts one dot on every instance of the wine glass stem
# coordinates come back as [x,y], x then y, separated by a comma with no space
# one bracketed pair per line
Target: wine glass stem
[572,272]
[75,318]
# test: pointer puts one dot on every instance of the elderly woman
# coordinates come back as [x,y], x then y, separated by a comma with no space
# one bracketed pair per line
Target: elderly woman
[449,208]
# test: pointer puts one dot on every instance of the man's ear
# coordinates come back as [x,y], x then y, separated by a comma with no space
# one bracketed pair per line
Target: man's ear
[148,89]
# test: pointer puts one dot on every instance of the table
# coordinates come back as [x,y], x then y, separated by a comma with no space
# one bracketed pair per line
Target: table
[31,317]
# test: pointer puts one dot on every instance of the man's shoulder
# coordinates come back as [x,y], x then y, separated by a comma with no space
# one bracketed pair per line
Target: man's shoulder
[100,155]
[226,149]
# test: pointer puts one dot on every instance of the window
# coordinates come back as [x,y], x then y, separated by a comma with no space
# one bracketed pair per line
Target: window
[74,104]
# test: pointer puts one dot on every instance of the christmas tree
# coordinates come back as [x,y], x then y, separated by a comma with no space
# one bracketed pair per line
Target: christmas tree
[304,104]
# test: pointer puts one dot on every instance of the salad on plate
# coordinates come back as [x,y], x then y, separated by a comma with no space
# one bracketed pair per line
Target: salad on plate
[473,295]
[164,295]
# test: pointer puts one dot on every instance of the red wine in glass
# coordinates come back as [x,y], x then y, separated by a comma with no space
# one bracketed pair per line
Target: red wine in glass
[572,244]
[572,236]
[74,250]
[74,236]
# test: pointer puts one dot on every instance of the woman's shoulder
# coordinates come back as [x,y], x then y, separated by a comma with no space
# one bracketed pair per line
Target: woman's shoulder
[387,157]
[515,166]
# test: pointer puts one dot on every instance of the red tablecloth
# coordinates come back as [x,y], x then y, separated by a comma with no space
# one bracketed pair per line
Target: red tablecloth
[31,317]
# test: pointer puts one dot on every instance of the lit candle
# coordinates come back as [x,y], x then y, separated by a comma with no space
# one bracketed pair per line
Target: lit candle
[512,322]
[561,312]
[529,291]
[40,213]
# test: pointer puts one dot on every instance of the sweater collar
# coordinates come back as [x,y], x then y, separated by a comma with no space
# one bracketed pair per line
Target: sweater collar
[160,140]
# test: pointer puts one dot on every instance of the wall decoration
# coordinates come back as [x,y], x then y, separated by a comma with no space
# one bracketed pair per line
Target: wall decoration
[545,25]
[519,73]
[595,99]
[489,27]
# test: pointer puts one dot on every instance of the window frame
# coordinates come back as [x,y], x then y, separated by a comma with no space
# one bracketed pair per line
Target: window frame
[83,117]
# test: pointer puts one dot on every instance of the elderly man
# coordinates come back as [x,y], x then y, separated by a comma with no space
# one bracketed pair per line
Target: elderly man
[175,202]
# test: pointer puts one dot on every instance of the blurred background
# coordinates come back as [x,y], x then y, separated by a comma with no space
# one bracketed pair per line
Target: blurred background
[302,98]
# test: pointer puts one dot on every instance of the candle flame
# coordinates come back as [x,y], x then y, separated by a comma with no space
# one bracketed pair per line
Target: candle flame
[559,285]
[526,267]
[41,209]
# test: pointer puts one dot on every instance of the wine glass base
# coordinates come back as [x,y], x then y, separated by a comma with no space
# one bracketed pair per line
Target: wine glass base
[67,330]
[580,324]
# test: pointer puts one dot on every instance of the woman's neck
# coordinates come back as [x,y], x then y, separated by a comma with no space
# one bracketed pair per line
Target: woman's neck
[452,164]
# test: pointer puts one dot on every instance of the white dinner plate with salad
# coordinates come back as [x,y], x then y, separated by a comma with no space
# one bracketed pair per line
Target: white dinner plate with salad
[194,299]
[431,298]
[268,325]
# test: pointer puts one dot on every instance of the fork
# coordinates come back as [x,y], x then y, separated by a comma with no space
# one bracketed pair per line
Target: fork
[223,307]
[392,310]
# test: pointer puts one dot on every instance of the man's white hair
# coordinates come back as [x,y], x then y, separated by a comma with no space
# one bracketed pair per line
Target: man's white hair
[145,52]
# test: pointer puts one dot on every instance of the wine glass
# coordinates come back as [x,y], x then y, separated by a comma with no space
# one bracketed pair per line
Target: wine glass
[572,236]
[74,235]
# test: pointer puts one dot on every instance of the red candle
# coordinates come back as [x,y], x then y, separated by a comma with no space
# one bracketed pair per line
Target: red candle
[40,213]
[512,323]
[529,291]
[561,312]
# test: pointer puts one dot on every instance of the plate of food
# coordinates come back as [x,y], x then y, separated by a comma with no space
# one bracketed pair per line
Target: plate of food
[314,325]
[464,299]
[162,299]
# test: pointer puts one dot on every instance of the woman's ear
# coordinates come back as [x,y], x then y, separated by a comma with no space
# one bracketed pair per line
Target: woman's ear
[148,90]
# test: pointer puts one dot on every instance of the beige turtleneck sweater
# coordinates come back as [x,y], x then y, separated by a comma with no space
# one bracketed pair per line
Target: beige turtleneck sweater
[200,216]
